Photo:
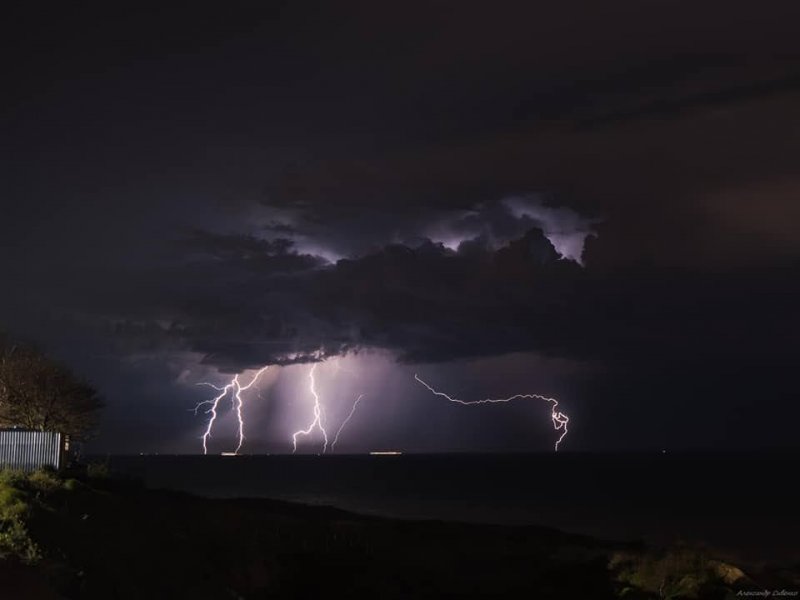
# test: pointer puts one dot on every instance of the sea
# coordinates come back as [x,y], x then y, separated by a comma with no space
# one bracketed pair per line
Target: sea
[742,506]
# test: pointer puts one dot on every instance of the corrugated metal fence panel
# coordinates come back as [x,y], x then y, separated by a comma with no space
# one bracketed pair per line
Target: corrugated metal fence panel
[29,450]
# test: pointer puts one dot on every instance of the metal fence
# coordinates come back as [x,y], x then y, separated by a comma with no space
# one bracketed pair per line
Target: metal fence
[30,450]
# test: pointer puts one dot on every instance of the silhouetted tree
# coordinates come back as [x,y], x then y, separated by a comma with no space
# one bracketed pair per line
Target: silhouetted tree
[37,392]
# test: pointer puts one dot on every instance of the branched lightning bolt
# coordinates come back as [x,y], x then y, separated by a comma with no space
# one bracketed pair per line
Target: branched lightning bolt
[238,401]
[213,410]
[560,420]
[318,415]
[350,416]
[235,388]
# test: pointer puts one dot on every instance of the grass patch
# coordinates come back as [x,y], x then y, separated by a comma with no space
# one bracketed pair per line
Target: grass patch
[676,573]
[16,507]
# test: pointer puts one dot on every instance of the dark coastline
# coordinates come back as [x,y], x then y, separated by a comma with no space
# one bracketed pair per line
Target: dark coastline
[743,505]
[280,527]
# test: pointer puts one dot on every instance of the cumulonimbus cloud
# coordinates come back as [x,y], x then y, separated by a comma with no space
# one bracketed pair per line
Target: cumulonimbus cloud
[250,301]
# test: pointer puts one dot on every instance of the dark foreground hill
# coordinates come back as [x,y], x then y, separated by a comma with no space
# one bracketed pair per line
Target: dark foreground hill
[104,538]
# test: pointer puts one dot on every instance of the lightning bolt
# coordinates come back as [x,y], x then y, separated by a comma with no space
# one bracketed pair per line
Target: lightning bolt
[213,410]
[235,388]
[559,419]
[318,414]
[238,400]
[350,416]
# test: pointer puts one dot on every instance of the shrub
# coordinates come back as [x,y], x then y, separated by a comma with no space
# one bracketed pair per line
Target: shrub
[13,503]
[98,470]
[72,484]
[679,572]
[44,481]
[14,509]
[11,477]
[16,542]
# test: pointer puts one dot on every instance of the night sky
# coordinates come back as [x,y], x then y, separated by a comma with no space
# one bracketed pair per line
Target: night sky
[593,201]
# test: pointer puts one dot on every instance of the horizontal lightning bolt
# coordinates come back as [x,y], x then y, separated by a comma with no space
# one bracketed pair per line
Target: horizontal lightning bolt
[559,419]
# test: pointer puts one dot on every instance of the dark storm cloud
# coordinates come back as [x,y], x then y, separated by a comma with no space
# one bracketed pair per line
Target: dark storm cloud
[429,303]
[241,307]
[452,286]
[646,177]
[352,233]
[237,250]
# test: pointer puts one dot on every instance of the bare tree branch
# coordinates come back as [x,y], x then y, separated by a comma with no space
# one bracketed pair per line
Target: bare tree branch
[37,392]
